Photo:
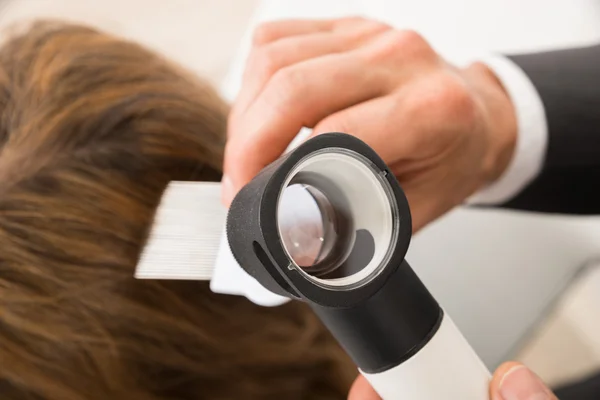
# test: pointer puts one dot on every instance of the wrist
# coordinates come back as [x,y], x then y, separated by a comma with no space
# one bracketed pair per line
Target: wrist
[499,120]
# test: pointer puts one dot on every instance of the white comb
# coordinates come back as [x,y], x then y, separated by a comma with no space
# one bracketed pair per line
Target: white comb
[188,242]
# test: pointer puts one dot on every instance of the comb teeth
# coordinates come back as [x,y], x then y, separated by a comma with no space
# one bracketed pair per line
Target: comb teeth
[188,242]
[186,233]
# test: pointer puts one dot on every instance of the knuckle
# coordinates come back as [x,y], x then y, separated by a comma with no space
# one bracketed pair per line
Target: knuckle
[289,78]
[266,61]
[333,124]
[404,44]
[289,85]
[351,20]
[409,43]
[364,32]
[359,26]
[264,33]
[411,37]
[454,93]
[445,98]
[377,26]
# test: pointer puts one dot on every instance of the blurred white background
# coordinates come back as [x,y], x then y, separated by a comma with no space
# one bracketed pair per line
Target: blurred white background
[199,34]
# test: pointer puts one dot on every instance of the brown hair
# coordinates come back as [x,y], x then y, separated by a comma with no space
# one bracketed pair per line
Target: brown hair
[92,128]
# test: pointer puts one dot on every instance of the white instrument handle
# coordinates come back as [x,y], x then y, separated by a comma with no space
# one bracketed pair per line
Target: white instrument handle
[445,368]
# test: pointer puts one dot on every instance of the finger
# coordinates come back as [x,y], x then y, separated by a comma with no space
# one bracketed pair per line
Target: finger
[265,61]
[513,381]
[295,97]
[362,390]
[271,31]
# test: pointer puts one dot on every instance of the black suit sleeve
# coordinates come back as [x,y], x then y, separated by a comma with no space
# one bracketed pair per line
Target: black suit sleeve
[568,82]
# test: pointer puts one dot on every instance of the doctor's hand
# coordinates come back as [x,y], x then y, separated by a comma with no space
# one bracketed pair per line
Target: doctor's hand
[444,131]
[512,381]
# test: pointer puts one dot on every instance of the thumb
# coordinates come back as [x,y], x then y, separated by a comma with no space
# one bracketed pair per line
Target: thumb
[362,390]
[514,381]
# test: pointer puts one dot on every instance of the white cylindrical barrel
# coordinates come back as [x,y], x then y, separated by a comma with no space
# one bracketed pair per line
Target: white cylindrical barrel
[445,368]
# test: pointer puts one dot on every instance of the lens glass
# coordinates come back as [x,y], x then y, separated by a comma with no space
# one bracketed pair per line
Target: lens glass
[306,223]
[336,218]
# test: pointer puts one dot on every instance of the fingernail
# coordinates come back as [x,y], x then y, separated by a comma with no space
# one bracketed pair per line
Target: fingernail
[227,191]
[519,383]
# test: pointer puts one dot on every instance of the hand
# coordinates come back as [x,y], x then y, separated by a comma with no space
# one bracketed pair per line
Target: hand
[512,381]
[444,131]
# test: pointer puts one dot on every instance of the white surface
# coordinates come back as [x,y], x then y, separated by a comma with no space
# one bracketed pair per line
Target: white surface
[495,272]
[532,138]
[446,368]
[582,307]
[566,347]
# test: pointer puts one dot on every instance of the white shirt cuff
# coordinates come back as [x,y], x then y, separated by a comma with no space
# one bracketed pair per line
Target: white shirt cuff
[532,134]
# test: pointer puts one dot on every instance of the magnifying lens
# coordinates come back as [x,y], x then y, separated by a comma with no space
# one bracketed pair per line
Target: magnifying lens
[328,224]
